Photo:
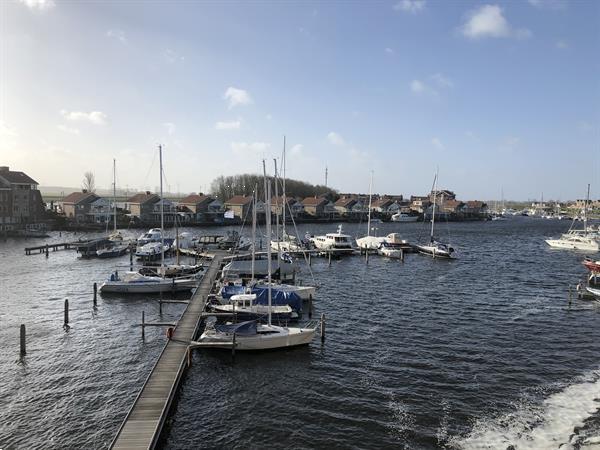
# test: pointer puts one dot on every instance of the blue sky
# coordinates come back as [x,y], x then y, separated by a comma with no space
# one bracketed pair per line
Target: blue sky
[498,95]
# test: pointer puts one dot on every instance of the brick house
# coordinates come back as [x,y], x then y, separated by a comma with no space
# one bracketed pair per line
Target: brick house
[20,199]
[78,205]
[315,206]
[240,205]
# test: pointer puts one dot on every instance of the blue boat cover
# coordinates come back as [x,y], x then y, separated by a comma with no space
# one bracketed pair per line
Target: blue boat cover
[247,328]
[278,297]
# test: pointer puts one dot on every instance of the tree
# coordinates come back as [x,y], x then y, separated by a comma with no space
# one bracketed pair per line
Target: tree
[89,182]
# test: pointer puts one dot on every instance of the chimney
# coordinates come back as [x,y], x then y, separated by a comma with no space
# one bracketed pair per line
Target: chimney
[84,191]
[4,169]
[147,192]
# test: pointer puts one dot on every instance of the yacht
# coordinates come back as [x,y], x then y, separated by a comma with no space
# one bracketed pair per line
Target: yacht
[339,242]
[404,217]
[154,235]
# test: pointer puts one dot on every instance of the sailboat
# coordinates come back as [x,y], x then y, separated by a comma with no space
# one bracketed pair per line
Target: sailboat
[136,283]
[435,248]
[250,335]
[287,242]
[369,242]
[577,239]
[118,248]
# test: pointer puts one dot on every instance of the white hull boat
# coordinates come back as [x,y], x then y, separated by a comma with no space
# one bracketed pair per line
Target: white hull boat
[573,242]
[403,217]
[136,283]
[339,242]
[436,250]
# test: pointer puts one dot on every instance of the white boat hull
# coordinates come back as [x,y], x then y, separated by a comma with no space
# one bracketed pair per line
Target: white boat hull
[404,218]
[149,287]
[591,246]
[434,251]
[267,338]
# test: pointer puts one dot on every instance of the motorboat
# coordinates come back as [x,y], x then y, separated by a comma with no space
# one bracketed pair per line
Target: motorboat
[338,242]
[136,283]
[112,251]
[171,270]
[153,235]
[591,265]
[390,250]
[244,306]
[404,217]
[574,241]
[153,250]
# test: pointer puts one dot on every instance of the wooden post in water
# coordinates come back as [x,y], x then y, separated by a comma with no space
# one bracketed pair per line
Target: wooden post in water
[143,325]
[310,306]
[131,259]
[322,327]
[66,324]
[95,294]
[22,340]
[570,295]
[402,254]
[329,253]
[367,255]
[188,355]
[309,259]
[47,254]
[172,282]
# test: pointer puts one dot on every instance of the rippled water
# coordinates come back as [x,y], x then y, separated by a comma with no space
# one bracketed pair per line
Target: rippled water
[480,352]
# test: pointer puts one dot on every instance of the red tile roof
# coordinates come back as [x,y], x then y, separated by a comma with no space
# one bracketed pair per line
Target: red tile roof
[345,201]
[78,197]
[239,200]
[314,201]
[143,198]
[194,199]
[381,203]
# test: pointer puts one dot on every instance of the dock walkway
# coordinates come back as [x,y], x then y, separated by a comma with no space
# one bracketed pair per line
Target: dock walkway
[142,427]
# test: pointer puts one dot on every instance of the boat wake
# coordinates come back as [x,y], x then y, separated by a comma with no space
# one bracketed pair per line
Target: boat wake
[562,420]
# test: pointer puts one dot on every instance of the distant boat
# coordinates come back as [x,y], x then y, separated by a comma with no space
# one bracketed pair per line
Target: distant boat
[339,242]
[244,306]
[404,217]
[390,250]
[435,248]
[112,252]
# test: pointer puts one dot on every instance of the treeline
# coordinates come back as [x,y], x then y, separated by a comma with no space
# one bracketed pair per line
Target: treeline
[226,187]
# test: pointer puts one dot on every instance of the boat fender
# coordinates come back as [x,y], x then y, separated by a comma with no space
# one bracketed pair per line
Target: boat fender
[170,333]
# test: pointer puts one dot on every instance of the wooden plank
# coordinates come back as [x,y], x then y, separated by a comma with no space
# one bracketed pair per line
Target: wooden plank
[143,424]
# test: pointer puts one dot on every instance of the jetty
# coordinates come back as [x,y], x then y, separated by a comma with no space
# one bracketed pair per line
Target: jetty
[143,424]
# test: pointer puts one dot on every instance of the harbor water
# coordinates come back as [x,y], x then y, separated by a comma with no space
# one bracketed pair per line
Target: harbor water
[481,352]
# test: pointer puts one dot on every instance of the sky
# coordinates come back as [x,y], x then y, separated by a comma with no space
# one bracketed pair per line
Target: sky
[499,97]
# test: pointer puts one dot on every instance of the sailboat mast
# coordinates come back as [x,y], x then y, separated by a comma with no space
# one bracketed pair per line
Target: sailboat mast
[162,216]
[284,195]
[587,199]
[115,191]
[277,209]
[268,225]
[434,201]
[253,231]
[370,197]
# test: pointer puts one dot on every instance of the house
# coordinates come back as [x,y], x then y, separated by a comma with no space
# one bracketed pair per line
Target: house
[100,211]
[20,199]
[452,206]
[197,203]
[419,203]
[277,205]
[315,206]
[141,206]
[78,205]
[297,208]
[345,205]
[381,205]
[169,212]
[240,205]
[442,195]
[475,208]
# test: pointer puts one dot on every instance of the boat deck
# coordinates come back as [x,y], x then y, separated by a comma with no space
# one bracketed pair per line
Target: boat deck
[143,424]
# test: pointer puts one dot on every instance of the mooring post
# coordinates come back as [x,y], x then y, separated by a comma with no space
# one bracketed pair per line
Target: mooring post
[47,254]
[309,259]
[172,284]
[402,254]
[329,253]
[310,306]
[160,304]
[367,255]
[22,340]
[233,347]
[95,294]
[570,295]
[143,325]
[66,324]
[322,327]
[131,259]
[188,355]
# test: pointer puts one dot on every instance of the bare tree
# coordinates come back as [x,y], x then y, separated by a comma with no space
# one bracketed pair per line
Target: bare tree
[89,182]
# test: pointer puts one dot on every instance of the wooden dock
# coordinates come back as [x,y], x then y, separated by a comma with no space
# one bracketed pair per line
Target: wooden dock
[45,248]
[143,424]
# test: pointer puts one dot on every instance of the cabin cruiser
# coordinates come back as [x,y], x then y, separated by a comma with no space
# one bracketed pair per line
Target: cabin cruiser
[374,242]
[154,235]
[574,240]
[390,250]
[404,217]
[245,307]
[339,242]
[136,283]
[152,250]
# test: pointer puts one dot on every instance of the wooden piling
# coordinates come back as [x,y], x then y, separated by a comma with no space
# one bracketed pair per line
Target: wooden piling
[131,259]
[310,306]
[402,254]
[143,324]
[570,295]
[95,294]
[309,259]
[66,324]
[47,253]
[22,340]
[322,327]
[329,253]
[367,255]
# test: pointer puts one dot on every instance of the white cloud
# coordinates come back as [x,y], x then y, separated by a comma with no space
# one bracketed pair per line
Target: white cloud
[5,130]
[296,150]
[243,148]
[39,5]
[410,6]
[94,117]
[419,87]
[170,127]
[171,56]
[335,139]
[117,34]
[237,97]
[233,125]
[562,44]
[442,81]
[66,129]
[488,21]
[437,144]
[548,4]
[389,51]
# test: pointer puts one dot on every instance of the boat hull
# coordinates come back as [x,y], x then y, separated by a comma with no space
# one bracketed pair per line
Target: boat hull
[434,252]
[267,338]
[147,287]
[573,245]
